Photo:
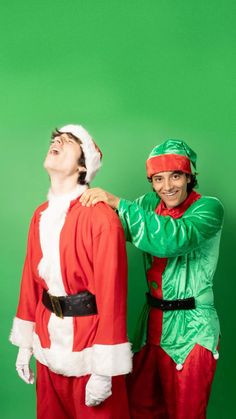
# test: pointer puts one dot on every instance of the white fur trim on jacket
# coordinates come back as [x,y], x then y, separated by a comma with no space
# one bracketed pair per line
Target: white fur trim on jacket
[92,155]
[112,359]
[108,360]
[22,333]
[51,222]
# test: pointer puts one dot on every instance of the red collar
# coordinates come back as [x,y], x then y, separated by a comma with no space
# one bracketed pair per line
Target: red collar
[178,211]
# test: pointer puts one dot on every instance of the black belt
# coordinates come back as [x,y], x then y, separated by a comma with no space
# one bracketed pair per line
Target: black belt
[167,305]
[82,304]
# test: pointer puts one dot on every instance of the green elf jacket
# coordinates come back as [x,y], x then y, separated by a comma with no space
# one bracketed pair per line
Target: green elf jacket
[191,245]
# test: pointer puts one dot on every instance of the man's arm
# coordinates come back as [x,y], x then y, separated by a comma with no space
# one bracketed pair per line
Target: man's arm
[112,354]
[162,236]
[167,237]
[111,350]
[24,322]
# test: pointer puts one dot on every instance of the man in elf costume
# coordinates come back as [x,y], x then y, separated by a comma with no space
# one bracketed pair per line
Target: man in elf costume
[72,307]
[177,337]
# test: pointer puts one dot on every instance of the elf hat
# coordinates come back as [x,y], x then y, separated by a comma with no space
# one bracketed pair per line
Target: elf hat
[92,153]
[170,156]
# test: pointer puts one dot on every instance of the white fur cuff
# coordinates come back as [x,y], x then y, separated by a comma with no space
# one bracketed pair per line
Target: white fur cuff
[112,359]
[22,333]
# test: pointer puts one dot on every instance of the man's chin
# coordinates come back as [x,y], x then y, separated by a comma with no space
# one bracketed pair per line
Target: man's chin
[49,162]
[171,203]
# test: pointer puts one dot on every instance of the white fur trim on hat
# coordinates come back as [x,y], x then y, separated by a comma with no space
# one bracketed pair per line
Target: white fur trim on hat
[92,155]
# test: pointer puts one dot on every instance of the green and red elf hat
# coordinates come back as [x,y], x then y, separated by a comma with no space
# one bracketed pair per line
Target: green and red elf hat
[172,155]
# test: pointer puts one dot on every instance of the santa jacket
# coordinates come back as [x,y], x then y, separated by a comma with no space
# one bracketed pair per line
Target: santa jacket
[181,248]
[70,249]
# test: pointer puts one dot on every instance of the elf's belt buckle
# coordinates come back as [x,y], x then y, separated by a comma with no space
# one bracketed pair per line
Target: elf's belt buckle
[56,305]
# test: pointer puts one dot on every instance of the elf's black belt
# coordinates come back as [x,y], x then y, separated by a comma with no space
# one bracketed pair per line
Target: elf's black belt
[167,305]
[82,304]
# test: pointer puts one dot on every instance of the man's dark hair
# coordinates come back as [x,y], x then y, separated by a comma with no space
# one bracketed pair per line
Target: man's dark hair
[191,185]
[81,161]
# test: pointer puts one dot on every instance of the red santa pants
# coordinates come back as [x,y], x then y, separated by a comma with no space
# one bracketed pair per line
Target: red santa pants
[60,397]
[158,391]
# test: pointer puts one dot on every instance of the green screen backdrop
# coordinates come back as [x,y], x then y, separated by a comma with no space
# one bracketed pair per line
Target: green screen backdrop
[134,73]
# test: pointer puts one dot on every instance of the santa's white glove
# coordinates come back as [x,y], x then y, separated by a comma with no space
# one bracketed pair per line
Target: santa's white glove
[98,389]
[22,365]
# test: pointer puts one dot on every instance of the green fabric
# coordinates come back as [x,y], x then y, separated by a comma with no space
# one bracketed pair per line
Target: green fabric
[140,332]
[191,244]
[175,147]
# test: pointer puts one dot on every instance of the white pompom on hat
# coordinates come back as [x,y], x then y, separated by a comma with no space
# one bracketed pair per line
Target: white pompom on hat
[91,151]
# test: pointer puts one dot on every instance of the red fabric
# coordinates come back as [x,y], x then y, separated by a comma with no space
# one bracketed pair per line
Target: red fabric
[60,397]
[177,212]
[87,263]
[158,391]
[154,277]
[168,162]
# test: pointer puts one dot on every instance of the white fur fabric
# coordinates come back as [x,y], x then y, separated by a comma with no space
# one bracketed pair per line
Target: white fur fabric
[22,333]
[108,360]
[51,223]
[112,359]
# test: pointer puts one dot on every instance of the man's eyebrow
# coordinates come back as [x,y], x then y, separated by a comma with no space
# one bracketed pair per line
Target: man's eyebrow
[71,136]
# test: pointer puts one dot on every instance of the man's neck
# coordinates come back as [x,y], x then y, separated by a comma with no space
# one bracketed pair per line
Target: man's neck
[63,185]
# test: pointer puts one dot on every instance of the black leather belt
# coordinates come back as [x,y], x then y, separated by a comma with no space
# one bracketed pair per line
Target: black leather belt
[167,305]
[82,304]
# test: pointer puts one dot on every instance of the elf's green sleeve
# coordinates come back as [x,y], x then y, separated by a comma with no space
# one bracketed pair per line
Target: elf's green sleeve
[167,237]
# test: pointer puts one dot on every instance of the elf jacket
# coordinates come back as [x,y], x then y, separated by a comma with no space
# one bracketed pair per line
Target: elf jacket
[180,250]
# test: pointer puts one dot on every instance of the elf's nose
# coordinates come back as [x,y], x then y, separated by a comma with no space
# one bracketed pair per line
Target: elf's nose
[168,185]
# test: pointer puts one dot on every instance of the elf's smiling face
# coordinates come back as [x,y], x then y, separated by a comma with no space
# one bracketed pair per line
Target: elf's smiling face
[171,186]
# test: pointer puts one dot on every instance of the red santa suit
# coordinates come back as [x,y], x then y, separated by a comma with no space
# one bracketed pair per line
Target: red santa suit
[71,249]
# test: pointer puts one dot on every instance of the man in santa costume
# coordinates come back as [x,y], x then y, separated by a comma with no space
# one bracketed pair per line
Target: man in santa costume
[72,307]
[177,336]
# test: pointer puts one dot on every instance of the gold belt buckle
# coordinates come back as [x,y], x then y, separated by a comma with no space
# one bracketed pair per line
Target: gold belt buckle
[56,306]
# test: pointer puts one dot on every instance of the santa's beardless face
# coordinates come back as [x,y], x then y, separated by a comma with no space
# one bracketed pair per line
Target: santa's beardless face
[63,155]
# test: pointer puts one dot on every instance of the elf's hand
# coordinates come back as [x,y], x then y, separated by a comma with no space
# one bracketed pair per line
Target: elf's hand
[94,195]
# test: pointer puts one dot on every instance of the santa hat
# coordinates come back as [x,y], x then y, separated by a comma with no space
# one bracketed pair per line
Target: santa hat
[92,153]
[170,156]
